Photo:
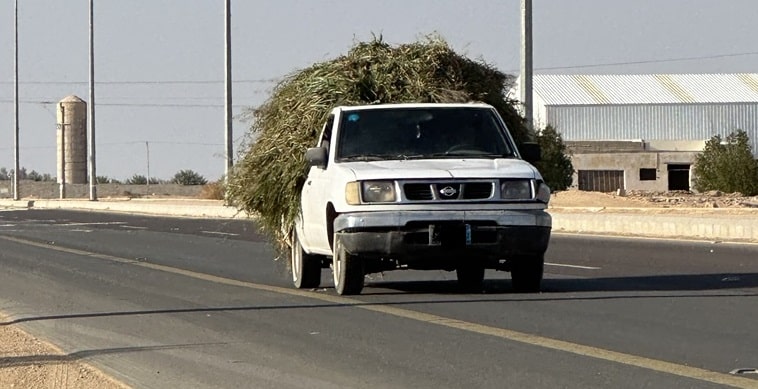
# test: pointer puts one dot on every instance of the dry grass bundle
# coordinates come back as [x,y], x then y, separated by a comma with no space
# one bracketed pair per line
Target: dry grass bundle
[269,175]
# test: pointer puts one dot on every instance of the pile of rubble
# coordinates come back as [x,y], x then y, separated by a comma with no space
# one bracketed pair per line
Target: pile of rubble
[685,199]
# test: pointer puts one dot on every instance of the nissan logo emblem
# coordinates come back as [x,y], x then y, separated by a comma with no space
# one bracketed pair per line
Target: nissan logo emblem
[448,191]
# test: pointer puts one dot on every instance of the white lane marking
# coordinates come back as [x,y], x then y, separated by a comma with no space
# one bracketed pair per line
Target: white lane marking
[134,227]
[219,233]
[658,365]
[80,230]
[573,266]
[92,224]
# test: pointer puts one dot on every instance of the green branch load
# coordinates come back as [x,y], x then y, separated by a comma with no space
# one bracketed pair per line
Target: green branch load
[267,179]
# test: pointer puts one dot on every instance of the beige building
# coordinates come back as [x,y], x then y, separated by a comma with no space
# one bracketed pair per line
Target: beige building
[643,132]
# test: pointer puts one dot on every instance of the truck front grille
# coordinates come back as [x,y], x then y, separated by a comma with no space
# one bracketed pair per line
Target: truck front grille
[477,190]
[418,192]
[446,191]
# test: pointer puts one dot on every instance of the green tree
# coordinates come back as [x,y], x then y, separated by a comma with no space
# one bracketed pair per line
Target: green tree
[139,179]
[188,177]
[4,175]
[34,176]
[21,173]
[556,167]
[727,165]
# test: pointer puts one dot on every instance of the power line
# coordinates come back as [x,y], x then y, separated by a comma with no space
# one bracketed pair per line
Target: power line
[149,82]
[162,142]
[679,59]
[136,105]
[141,142]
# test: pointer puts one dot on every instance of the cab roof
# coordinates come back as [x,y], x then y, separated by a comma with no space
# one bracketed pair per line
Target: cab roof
[345,108]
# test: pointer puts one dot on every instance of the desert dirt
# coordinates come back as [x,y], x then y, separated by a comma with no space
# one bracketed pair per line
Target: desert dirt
[715,203]
[29,362]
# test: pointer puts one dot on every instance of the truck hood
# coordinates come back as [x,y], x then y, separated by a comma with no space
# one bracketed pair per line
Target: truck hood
[442,169]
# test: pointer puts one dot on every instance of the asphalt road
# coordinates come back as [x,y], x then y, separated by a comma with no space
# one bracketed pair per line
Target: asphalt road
[166,302]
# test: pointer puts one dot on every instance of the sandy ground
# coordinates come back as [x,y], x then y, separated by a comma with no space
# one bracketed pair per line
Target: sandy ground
[29,362]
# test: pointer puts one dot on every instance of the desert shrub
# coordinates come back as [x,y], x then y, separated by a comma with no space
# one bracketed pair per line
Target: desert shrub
[213,190]
[727,165]
[556,167]
[269,174]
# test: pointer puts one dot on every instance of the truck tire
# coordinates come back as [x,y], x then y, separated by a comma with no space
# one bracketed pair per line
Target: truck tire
[470,277]
[526,273]
[347,270]
[306,268]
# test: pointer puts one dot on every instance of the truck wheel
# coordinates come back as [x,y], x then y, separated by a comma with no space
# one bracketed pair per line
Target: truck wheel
[347,270]
[526,273]
[470,277]
[306,268]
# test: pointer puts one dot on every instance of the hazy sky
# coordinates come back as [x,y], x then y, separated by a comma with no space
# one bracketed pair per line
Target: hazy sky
[159,64]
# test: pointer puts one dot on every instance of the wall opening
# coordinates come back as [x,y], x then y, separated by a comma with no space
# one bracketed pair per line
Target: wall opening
[648,174]
[679,177]
[601,180]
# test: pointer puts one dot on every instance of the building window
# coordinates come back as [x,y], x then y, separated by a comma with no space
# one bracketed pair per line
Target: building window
[601,180]
[648,174]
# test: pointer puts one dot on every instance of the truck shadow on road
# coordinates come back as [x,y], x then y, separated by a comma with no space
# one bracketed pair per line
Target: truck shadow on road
[656,283]
[30,360]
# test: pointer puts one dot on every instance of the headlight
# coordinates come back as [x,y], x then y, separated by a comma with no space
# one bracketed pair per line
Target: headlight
[370,192]
[543,193]
[378,191]
[516,189]
[352,193]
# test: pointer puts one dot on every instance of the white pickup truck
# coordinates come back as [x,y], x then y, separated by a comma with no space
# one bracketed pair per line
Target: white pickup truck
[420,186]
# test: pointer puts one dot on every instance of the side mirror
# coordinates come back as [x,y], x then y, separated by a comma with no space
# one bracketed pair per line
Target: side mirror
[530,152]
[316,156]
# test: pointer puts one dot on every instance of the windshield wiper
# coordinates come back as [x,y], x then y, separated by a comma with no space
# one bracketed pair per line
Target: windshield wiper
[365,157]
[467,154]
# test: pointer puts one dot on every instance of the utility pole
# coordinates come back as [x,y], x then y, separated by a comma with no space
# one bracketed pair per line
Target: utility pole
[63,152]
[15,105]
[91,137]
[526,62]
[147,150]
[228,89]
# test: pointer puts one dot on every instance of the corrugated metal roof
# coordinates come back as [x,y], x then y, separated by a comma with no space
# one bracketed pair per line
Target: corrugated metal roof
[556,89]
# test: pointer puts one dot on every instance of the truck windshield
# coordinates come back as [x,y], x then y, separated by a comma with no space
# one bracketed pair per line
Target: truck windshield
[418,133]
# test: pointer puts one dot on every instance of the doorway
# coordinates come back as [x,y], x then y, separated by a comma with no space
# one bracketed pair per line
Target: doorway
[679,176]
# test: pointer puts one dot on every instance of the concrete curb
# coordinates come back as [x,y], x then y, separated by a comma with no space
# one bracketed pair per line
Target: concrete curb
[167,207]
[713,227]
[699,224]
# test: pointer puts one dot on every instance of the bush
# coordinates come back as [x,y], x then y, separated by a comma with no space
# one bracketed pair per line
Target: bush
[188,177]
[269,176]
[556,167]
[727,165]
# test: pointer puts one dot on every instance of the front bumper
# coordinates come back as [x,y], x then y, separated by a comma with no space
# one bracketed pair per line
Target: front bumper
[420,235]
